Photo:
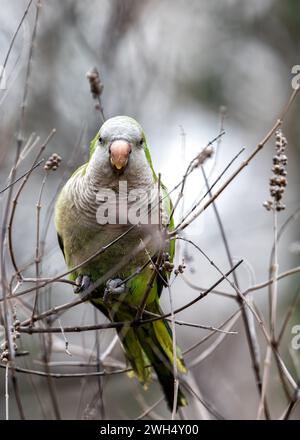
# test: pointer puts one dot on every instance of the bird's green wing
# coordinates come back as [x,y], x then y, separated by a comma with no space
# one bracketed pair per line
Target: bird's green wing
[94,143]
[167,207]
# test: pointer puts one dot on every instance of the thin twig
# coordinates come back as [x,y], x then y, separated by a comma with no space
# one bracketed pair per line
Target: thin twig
[13,39]
[15,202]
[289,314]
[37,244]
[174,347]
[257,149]
[6,392]
[65,338]
[21,177]
[248,322]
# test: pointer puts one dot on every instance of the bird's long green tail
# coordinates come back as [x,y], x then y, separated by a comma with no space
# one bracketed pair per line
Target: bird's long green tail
[151,345]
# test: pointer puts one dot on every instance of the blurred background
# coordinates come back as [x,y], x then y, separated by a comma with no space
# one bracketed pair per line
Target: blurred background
[177,67]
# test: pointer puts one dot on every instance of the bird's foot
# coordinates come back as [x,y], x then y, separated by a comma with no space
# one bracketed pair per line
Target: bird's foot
[83,282]
[113,288]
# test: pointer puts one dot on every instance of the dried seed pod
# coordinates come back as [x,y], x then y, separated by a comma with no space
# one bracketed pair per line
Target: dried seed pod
[278,181]
[53,162]
[276,159]
[168,266]
[96,84]
[180,269]
[276,169]
[205,154]
[283,159]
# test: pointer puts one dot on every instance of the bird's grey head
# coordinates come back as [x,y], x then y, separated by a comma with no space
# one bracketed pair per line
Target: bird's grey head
[120,148]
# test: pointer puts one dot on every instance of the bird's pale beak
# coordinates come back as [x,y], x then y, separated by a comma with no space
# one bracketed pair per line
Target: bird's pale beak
[119,154]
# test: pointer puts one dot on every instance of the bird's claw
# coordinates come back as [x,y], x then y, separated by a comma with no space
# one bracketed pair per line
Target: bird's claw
[113,288]
[83,282]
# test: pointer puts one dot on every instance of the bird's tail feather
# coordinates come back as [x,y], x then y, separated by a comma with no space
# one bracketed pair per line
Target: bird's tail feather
[156,341]
[135,355]
[152,345]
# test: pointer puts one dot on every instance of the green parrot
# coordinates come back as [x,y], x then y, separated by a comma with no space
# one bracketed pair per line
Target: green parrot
[91,211]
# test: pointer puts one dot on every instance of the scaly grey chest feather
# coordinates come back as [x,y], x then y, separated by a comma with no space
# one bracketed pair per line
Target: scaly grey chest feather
[83,235]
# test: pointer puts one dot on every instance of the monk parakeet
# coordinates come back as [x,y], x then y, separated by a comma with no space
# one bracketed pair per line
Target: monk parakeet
[90,214]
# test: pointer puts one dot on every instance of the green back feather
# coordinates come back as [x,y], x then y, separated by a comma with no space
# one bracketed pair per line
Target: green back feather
[94,143]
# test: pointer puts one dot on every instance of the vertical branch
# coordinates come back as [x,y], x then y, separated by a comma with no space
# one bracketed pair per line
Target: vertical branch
[277,186]
[28,73]
[183,157]
[180,247]
[6,392]
[14,169]
[96,87]
[265,380]
[274,274]
[17,394]
[159,201]
[98,367]
[222,116]
[46,344]
[8,219]
[248,323]
[37,244]
[13,40]
[272,315]
[175,372]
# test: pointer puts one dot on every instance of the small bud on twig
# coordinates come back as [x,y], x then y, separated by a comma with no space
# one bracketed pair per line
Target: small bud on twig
[95,82]
[96,87]
[53,162]
[205,154]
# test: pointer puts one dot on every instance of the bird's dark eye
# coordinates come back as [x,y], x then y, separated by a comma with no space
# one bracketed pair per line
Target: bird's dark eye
[141,141]
[100,140]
